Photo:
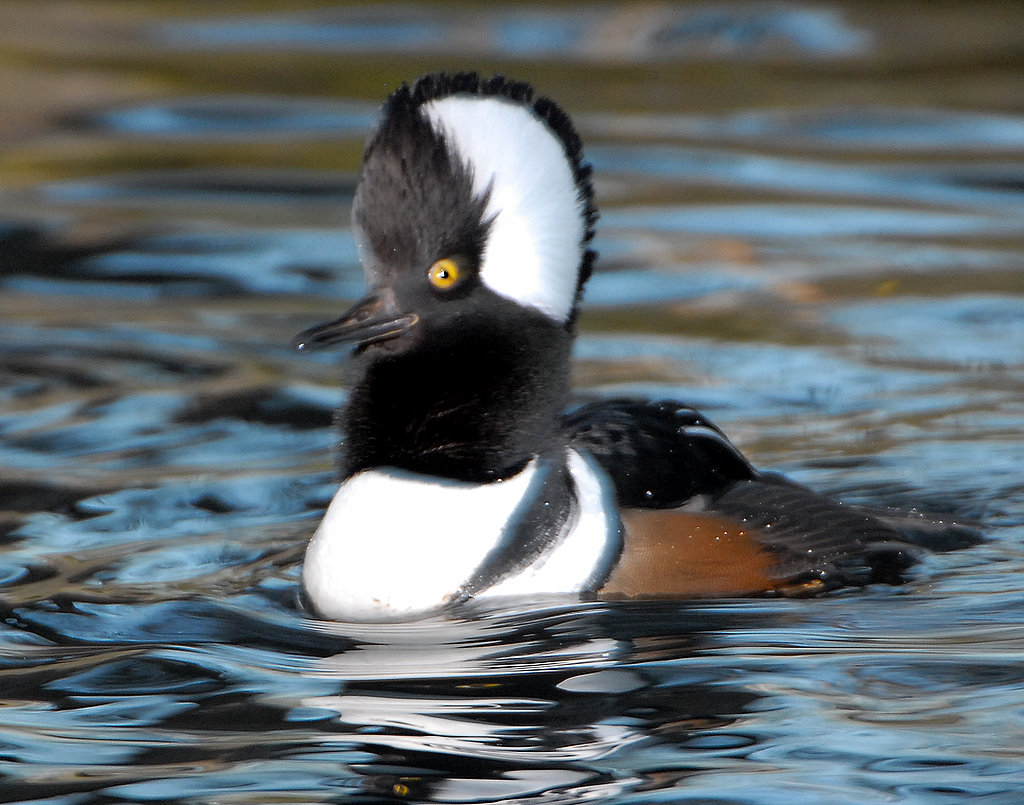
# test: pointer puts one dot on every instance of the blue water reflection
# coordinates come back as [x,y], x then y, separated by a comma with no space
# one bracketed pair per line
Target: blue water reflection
[240,117]
[873,128]
[588,31]
[971,330]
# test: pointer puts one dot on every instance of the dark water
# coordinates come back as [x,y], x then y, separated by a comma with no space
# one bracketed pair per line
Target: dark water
[813,227]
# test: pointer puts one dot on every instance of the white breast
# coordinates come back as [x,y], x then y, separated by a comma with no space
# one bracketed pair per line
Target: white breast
[595,534]
[395,544]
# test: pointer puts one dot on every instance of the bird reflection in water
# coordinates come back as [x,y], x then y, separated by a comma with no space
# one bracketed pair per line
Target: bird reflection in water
[493,706]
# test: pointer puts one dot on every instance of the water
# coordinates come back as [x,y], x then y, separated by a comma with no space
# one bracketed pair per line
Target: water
[813,228]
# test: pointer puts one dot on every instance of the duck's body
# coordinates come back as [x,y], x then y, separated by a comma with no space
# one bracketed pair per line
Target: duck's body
[461,476]
[550,528]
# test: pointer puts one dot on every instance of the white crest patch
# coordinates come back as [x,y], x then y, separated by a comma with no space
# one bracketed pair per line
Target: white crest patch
[535,245]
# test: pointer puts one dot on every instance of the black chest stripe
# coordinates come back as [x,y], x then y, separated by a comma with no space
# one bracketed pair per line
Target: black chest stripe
[543,518]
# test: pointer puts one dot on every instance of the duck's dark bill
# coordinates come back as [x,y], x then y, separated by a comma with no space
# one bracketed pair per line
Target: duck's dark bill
[371,320]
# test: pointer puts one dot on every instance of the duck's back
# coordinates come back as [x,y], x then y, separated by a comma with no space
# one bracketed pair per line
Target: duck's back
[699,520]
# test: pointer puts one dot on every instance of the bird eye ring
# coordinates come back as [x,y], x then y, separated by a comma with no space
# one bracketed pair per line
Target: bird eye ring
[444,274]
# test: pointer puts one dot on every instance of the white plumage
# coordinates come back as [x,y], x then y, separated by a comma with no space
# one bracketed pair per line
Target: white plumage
[533,251]
[395,544]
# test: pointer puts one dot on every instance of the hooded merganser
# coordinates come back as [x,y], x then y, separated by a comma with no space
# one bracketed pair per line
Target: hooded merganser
[461,476]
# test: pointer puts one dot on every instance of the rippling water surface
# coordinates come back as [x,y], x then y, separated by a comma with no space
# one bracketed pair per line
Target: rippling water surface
[813,228]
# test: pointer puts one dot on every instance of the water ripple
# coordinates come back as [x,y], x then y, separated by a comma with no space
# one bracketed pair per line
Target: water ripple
[244,117]
[655,31]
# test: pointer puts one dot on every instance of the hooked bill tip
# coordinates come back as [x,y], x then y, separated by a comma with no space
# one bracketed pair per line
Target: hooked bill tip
[306,341]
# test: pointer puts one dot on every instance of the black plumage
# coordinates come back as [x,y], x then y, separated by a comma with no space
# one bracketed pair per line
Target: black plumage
[465,384]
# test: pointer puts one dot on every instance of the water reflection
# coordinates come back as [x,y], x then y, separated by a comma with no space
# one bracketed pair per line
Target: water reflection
[551,723]
[886,130]
[784,175]
[238,117]
[574,702]
[627,32]
[492,706]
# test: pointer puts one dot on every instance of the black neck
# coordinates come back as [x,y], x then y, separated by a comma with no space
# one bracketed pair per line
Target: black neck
[473,403]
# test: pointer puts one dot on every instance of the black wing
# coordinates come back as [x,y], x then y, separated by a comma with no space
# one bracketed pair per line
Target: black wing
[668,455]
[658,454]
[814,538]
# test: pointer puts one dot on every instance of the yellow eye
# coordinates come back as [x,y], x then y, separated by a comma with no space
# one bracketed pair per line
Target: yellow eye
[444,274]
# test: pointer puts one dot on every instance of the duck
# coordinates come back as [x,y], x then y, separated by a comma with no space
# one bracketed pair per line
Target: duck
[465,471]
